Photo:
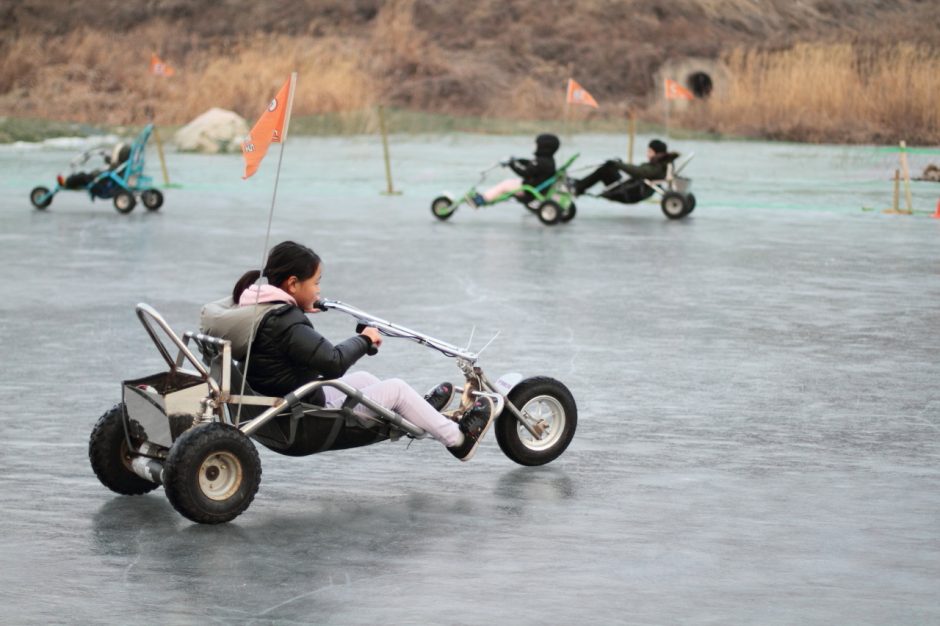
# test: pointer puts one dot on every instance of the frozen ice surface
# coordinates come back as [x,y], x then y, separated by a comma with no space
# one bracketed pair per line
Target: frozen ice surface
[756,384]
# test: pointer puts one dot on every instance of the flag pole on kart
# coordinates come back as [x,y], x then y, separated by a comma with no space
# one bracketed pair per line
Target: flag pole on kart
[270,128]
[158,68]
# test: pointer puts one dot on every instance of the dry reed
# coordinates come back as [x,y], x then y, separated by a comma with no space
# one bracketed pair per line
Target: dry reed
[836,93]
[810,92]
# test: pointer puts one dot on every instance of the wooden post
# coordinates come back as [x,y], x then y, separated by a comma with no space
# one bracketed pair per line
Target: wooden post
[166,177]
[907,177]
[390,188]
[632,129]
[897,187]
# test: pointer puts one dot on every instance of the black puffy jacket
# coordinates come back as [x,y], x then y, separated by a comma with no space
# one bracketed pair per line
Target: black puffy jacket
[287,352]
[534,171]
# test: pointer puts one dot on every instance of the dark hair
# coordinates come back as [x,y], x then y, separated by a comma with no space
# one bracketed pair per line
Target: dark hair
[286,259]
[659,147]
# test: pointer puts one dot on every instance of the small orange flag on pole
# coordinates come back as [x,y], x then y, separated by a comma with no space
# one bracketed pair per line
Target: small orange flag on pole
[579,95]
[159,68]
[270,128]
[675,91]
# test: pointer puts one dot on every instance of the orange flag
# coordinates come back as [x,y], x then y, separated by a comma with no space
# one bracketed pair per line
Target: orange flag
[579,95]
[675,91]
[269,128]
[159,68]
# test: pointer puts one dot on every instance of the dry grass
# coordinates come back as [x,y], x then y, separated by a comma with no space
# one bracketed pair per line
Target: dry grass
[807,92]
[837,93]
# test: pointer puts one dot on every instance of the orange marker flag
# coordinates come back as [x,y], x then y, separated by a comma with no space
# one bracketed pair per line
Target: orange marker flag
[675,91]
[159,68]
[270,127]
[579,95]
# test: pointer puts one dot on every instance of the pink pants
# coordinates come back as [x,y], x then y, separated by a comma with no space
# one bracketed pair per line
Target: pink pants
[397,395]
[500,188]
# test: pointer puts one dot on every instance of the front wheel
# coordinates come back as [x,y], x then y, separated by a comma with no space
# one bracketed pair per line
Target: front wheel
[550,212]
[152,199]
[40,197]
[110,457]
[212,473]
[443,207]
[124,201]
[549,404]
[690,200]
[674,206]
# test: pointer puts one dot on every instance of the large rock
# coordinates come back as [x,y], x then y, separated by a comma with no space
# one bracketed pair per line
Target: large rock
[216,130]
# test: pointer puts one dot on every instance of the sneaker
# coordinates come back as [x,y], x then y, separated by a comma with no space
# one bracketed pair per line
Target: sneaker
[473,425]
[477,200]
[440,396]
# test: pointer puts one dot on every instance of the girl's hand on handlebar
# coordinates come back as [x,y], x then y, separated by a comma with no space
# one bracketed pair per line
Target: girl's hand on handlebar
[372,334]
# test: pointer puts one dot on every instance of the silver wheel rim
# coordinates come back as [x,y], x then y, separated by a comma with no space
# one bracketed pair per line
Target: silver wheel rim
[442,207]
[549,410]
[123,201]
[674,206]
[220,475]
[549,213]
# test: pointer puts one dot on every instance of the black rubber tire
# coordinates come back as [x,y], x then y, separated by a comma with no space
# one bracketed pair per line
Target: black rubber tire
[202,450]
[443,207]
[516,442]
[124,202]
[690,201]
[674,205]
[109,456]
[152,199]
[570,213]
[549,212]
[39,192]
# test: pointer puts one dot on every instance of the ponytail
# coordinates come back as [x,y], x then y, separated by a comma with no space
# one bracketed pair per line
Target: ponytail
[248,279]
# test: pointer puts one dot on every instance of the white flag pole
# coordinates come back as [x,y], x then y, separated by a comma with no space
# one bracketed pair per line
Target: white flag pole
[267,237]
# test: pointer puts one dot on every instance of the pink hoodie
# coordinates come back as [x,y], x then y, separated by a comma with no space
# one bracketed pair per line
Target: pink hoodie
[261,294]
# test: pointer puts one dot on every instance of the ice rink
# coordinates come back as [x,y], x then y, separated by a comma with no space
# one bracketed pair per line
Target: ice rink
[757,389]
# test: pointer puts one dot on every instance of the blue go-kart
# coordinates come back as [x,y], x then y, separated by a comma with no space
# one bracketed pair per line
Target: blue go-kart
[119,177]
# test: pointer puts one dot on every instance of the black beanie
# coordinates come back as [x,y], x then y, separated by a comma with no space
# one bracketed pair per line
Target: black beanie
[658,146]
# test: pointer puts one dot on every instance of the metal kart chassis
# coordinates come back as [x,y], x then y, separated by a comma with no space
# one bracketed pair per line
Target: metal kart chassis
[213,405]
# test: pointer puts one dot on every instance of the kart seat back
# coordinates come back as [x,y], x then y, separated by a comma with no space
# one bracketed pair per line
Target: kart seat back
[119,155]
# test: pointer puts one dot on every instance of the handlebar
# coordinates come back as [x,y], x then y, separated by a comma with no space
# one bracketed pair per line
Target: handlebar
[394,330]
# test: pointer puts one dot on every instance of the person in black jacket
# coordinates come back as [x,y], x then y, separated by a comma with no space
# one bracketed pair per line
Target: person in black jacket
[532,171]
[632,189]
[288,352]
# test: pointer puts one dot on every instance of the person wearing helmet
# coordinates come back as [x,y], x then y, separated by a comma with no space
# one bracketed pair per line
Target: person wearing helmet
[532,171]
[631,189]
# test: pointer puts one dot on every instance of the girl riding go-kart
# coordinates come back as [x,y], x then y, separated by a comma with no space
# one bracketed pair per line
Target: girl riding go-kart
[267,375]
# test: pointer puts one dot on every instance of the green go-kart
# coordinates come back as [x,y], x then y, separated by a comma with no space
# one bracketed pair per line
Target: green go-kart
[552,200]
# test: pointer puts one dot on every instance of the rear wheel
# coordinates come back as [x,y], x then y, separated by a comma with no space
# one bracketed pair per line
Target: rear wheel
[124,201]
[549,212]
[443,207]
[40,197]
[549,404]
[110,456]
[674,206]
[212,473]
[152,199]
[690,201]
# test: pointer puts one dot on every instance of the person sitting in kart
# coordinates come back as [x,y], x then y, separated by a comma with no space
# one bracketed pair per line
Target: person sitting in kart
[632,189]
[533,171]
[288,352]
[112,159]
